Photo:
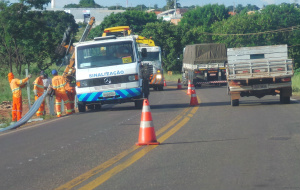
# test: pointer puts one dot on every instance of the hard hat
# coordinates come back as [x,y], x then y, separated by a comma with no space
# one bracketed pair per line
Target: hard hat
[10,76]
[54,72]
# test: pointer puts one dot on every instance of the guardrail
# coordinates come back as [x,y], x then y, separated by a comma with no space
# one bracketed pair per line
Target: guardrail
[28,115]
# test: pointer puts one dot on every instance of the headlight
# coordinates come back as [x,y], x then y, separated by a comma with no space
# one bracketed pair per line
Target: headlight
[83,83]
[158,76]
[132,78]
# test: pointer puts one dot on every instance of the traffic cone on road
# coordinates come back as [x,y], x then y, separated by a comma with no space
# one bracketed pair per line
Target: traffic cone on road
[179,86]
[147,134]
[189,91]
[165,84]
[194,100]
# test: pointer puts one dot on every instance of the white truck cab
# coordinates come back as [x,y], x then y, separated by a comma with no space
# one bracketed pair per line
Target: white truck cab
[108,70]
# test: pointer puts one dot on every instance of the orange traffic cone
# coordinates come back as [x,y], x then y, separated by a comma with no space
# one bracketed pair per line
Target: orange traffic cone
[147,134]
[165,84]
[189,91]
[179,86]
[194,100]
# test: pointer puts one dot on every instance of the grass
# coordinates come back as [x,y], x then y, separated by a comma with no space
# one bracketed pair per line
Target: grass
[296,84]
[173,77]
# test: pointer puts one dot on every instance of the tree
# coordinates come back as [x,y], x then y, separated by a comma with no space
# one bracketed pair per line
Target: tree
[205,16]
[167,36]
[31,36]
[135,19]
[83,4]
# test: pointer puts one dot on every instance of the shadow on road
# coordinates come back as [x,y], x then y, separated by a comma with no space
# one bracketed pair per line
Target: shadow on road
[207,141]
[164,106]
[209,104]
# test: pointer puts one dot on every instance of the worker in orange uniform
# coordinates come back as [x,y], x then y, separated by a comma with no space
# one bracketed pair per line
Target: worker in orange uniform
[16,86]
[58,85]
[70,88]
[38,89]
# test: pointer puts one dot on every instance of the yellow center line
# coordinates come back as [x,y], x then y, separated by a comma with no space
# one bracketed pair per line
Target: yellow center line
[106,176]
[78,180]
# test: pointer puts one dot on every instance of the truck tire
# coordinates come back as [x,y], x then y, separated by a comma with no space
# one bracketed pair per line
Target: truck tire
[81,107]
[97,107]
[285,99]
[138,104]
[160,88]
[235,102]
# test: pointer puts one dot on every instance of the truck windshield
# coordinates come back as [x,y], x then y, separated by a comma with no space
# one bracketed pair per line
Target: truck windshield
[152,56]
[106,54]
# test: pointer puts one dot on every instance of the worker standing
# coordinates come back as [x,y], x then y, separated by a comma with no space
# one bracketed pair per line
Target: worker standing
[58,84]
[38,89]
[48,99]
[70,88]
[16,86]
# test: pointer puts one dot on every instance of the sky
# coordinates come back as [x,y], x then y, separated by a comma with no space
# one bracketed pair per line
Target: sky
[161,3]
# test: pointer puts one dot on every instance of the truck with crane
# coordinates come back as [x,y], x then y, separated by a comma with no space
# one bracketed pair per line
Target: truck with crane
[153,57]
[107,70]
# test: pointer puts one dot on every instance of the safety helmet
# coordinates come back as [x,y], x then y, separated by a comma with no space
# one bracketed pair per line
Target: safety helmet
[10,76]
[54,72]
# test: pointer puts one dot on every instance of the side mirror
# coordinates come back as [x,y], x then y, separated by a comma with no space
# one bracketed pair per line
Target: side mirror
[144,52]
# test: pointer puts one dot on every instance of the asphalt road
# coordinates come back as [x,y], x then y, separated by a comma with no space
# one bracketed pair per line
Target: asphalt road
[211,146]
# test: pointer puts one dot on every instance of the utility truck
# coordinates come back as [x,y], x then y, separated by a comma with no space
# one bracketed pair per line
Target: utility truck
[153,58]
[108,70]
[259,71]
[204,64]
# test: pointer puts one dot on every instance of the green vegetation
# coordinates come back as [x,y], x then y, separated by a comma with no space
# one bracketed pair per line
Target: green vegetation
[173,77]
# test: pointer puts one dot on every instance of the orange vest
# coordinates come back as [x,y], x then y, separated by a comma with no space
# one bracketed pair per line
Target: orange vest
[38,86]
[58,84]
[16,85]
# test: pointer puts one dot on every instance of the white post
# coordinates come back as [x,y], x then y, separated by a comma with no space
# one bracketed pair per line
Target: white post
[28,89]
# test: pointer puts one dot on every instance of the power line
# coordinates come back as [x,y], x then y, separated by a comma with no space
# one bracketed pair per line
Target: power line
[289,29]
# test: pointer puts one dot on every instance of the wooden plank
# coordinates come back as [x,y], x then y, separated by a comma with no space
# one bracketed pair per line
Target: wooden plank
[257,50]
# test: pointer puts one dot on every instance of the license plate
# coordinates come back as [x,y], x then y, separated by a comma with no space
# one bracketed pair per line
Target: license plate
[260,86]
[109,94]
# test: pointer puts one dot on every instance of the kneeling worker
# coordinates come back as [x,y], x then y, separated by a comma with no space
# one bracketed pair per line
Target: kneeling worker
[58,85]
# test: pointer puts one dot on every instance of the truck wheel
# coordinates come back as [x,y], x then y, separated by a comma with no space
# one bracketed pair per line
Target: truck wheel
[138,104]
[81,107]
[285,99]
[235,102]
[160,88]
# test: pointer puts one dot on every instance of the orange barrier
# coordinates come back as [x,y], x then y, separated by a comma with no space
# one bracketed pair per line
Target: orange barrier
[179,86]
[147,134]
[194,100]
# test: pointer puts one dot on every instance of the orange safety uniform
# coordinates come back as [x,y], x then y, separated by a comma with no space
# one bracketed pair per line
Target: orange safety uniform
[58,84]
[38,88]
[71,92]
[16,85]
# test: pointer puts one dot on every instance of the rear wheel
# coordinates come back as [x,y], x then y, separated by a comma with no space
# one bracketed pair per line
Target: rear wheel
[284,99]
[160,88]
[235,102]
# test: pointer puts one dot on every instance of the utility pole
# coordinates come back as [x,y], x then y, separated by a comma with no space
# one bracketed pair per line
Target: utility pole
[175,7]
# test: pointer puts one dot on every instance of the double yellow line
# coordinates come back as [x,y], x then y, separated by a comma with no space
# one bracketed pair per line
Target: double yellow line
[173,126]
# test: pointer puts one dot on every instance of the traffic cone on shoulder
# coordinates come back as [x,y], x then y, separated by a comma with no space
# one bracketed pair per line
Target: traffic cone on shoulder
[189,91]
[165,84]
[179,86]
[194,100]
[147,134]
